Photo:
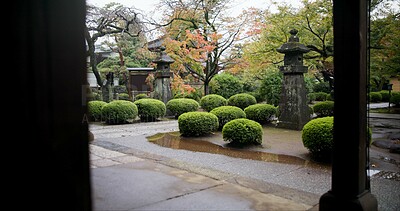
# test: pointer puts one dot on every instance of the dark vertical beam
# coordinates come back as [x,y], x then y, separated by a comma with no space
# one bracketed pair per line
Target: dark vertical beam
[49,65]
[349,168]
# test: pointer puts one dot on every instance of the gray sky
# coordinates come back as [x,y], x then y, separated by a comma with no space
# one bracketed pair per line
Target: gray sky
[150,5]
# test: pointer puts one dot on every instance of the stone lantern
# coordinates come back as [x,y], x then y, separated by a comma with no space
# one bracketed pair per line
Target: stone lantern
[163,75]
[293,107]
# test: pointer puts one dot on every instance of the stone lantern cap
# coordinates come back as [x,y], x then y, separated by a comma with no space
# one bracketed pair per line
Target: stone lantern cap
[293,46]
[163,57]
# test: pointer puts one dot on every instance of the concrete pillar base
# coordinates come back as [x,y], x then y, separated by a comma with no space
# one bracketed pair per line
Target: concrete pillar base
[363,202]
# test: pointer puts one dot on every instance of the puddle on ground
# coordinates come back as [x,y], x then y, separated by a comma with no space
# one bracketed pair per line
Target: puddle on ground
[173,140]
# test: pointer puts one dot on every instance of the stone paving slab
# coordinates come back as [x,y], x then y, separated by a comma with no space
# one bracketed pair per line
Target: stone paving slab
[138,184]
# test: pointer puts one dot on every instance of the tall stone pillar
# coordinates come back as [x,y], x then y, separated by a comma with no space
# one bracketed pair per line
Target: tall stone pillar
[163,75]
[293,107]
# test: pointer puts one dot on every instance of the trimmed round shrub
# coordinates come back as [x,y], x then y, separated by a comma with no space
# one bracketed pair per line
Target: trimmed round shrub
[197,123]
[242,100]
[375,97]
[320,96]
[242,132]
[94,109]
[226,85]
[385,95]
[123,96]
[310,97]
[119,112]
[141,96]
[330,97]
[261,113]
[259,97]
[182,105]
[150,109]
[395,99]
[211,101]
[317,137]
[227,113]
[323,109]
[195,95]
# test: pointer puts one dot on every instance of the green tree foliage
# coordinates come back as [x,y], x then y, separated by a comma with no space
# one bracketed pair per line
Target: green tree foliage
[313,21]
[226,85]
[384,43]
[271,87]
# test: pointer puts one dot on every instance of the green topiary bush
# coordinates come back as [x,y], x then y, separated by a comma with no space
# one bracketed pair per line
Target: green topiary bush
[242,132]
[211,101]
[119,112]
[385,95]
[227,113]
[141,96]
[94,109]
[323,109]
[261,113]
[317,137]
[310,97]
[320,96]
[226,85]
[375,97]
[395,99]
[242,100]
[150,109]
[123,96]
[197,123]
[182,105]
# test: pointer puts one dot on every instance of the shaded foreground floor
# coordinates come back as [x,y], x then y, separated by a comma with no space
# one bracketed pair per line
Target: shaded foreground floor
[131,173]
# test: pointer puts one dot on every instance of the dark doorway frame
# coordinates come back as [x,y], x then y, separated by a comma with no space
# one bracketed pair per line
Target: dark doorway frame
[49,58]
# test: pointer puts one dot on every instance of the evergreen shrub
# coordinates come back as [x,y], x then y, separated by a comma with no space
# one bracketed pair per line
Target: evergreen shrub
[211,101]
[395,99]
[119,112]
[324,108]
[123,96]
[317,137]
[179,106]
[242,100]
[320,96]
[242,132]
[261,113]
[259,97]
[226,85]
[197,123]
[385,95]
[227,113]
[375,97]
[141,96]
[150,109]
[94,109]
[311,97]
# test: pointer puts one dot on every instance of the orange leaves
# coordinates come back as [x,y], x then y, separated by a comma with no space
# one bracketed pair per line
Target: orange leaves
[179,87]
[201,41]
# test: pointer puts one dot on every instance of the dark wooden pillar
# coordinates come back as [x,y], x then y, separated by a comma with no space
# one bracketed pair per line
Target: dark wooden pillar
[350,189]
[50,142]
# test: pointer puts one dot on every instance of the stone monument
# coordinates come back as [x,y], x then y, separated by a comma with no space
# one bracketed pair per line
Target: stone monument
[293,108]
[163,75]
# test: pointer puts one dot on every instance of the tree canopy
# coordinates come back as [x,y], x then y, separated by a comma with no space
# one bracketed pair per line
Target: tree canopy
[198,35]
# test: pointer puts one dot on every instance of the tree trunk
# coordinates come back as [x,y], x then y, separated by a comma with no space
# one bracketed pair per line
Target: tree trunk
[92,57]
[206,88]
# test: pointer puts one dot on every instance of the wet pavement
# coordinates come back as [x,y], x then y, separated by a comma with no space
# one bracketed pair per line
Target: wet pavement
[129,172]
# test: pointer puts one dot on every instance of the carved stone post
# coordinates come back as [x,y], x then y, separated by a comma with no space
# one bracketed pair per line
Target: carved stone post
[293,107]
[163,75]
